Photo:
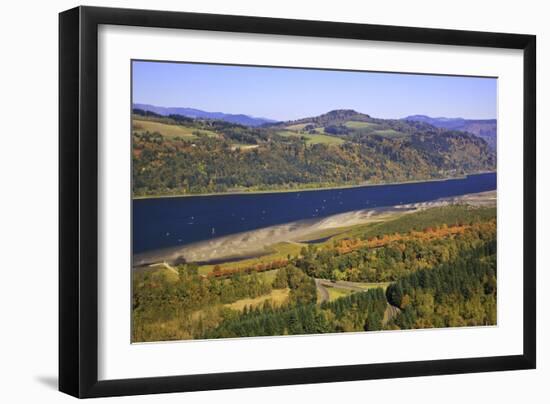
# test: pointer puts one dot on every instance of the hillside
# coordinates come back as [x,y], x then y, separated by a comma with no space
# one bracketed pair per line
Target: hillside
[483,128]
[179,155]
[346,122]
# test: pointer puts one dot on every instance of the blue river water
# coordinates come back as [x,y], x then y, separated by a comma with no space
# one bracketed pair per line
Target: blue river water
[169,222]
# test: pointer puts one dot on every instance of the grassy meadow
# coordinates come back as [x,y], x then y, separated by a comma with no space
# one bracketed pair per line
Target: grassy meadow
[169,130]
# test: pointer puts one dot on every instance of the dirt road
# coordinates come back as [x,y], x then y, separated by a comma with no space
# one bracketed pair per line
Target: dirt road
[323,295]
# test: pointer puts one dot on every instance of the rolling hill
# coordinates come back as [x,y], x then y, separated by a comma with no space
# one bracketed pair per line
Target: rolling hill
[349,123]
[182,155]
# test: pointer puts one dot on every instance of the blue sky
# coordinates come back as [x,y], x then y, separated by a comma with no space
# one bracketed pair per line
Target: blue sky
[285,94]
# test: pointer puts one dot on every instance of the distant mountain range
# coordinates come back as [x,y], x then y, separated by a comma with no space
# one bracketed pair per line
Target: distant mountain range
[484,128]
[197,113]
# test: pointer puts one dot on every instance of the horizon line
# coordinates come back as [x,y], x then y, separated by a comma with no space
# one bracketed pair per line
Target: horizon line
[313,116]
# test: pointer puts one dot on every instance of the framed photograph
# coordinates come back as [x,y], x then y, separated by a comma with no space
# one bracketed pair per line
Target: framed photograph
[252,202]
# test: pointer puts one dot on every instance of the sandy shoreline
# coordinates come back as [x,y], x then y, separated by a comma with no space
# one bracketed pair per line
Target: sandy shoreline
[256,242]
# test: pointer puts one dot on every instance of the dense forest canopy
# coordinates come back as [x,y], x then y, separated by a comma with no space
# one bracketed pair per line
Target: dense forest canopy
[179,155]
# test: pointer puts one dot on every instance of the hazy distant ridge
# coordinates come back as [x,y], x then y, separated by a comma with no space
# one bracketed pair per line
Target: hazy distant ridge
[197,113]
[484,128]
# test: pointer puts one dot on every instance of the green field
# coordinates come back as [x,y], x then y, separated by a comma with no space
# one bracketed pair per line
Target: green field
[360,125]
[313,139]
[141,126]
[277,298]
[336,293]
[389,133]
[373,129]
[373,285]
[324,139]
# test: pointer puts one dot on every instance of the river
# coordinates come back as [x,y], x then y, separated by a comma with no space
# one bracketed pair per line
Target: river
[170,222]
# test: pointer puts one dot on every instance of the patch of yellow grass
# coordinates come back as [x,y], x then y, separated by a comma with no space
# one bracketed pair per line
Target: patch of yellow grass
[157,271]
[298,126]
[244,147]
[319,137]
[277,297]
[335,293]
[373,285]
[167,130]
[326,139]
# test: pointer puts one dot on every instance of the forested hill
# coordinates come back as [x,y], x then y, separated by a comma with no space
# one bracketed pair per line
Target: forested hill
[483,128]
[178,155]
[350,122]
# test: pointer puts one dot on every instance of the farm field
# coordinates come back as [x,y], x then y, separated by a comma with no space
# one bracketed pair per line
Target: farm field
[168,130]
[336,293]
[277,297]
[390,133]
[361,125]
[318,138]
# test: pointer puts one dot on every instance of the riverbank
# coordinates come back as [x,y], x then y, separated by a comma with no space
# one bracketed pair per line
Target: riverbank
[257,243]
[311,188]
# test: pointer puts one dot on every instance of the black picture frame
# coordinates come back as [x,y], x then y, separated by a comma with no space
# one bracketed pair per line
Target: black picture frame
[78,201]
